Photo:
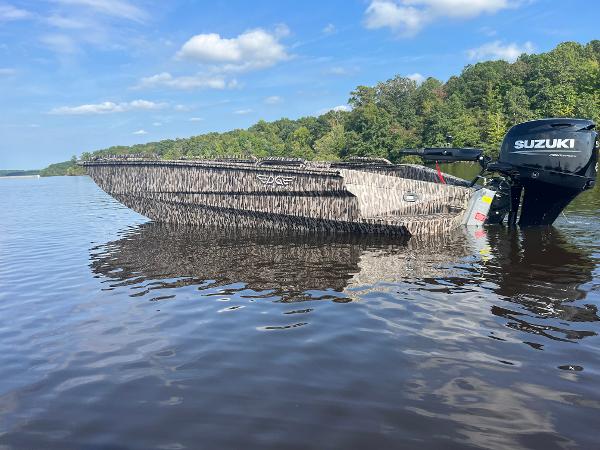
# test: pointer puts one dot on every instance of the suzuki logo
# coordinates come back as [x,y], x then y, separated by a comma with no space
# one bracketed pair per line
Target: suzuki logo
[545,143]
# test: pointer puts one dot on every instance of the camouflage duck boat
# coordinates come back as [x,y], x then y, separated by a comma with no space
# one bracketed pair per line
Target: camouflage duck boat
[542,166]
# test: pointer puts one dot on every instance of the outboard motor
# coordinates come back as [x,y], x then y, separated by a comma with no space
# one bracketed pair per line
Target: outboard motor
[549,162]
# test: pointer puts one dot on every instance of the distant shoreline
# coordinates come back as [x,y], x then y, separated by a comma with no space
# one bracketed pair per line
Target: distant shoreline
[20,176]
[19,172]
[12,177]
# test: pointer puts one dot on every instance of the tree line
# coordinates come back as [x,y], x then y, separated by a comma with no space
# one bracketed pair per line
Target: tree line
[476,108]
[17,172]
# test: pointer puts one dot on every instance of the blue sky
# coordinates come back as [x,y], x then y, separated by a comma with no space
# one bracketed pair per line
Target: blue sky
[80,75]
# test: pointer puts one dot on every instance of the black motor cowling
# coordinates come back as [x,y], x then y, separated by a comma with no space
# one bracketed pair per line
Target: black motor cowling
[549,161]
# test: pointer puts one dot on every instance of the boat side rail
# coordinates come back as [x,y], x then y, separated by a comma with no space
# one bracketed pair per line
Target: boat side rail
[281,161]
[123,157]
[445,154]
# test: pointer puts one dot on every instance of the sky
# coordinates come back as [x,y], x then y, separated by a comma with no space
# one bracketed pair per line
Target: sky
[82,75]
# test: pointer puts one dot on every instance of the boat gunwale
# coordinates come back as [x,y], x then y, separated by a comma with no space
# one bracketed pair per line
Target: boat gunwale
[216,165]
[305,169]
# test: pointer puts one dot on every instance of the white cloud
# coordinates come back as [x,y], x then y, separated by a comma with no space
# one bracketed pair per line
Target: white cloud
[186,82]
[416,77]
[255,49]
[60,43]
[341,108]
[107,107]
[243,111]
[196,119]
[273,100]
[9,12]
[182,108]
[498,50]
[335,108]
[156,124]
[329,28]
[140,132]
[464,9]
[116,8]
[7,71]
[145,104]
[68,23]
[96,23]
[282,30]
[488,31]
[408,17]
[341,71]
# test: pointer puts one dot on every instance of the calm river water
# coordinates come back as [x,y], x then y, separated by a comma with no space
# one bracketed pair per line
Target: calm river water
[120,333]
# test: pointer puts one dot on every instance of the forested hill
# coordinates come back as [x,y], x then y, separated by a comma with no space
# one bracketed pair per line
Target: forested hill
[476,108]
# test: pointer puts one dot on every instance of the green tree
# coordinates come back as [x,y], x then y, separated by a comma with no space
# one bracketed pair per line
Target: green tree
[495,123]
[298,144]
[330,146]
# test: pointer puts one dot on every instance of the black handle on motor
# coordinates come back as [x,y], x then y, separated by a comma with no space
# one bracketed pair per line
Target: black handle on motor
[445,154]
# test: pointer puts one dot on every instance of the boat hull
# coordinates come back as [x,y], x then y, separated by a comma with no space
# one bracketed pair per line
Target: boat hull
[302,199]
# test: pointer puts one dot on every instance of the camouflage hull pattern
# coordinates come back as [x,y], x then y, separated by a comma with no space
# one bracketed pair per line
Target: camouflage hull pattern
[332,197]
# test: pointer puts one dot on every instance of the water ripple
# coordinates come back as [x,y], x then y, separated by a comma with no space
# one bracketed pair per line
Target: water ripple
[120,333]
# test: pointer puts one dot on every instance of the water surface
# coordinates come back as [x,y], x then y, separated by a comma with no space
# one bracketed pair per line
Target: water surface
[116,332]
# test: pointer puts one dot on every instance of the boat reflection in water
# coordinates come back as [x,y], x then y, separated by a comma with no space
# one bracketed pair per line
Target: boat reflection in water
[533,274]
[286,265]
